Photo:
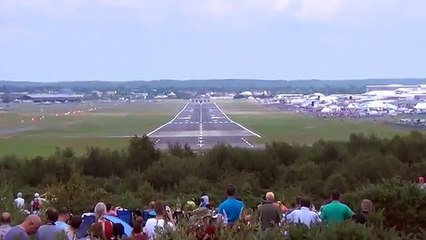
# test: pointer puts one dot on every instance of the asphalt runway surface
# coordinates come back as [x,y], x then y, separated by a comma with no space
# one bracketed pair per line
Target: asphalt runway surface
[203,126]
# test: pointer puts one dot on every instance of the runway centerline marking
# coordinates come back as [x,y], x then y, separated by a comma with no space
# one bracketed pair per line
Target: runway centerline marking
[232,121]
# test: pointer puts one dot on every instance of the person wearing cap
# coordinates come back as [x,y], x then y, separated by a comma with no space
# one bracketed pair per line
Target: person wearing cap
[200,226]
[204,201]
[36,204]
[366,208]
[19,201]
[269,214]
[231,210]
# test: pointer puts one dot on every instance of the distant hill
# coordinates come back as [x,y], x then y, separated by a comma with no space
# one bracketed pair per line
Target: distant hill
[231,85]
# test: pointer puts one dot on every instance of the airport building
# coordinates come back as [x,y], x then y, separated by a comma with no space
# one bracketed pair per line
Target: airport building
[60,98]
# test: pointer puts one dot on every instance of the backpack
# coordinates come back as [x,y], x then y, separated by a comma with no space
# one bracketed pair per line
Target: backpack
[107,229]
[36,204]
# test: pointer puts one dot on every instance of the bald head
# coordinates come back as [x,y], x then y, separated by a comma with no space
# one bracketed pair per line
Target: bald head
[31,224]
[5,218]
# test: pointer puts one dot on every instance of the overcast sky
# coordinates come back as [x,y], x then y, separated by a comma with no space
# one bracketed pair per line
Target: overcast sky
[64,40]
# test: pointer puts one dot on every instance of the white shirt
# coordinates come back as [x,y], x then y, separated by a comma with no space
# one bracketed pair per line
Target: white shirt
[19,202]
[153,225]
[303,216]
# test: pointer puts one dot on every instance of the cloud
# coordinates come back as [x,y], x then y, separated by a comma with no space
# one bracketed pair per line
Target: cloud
[159,10]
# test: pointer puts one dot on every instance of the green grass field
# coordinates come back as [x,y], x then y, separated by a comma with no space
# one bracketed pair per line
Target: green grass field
[107,126]
[111,124]
[275,125]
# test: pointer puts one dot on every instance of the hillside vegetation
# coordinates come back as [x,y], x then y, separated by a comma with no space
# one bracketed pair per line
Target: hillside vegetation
[382,170]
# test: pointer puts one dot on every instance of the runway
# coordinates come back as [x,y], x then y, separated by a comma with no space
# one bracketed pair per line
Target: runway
[203,126]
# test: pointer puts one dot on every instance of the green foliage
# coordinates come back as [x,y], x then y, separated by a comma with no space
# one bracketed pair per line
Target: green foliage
[134,176]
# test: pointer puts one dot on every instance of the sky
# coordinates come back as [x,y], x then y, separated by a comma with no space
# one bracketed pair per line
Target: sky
[119,40]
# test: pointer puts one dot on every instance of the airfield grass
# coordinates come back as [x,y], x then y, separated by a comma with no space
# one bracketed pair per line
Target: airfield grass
[278,125]
[109,126]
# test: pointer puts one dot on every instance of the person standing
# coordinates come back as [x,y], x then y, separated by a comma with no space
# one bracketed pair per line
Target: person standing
[5,224]
[231,210]
[49,230]
[335,211]
[269,214]
[19,201]
[23,231]
[63,218]
[304,215]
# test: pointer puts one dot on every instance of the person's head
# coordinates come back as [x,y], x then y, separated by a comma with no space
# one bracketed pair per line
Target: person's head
[366,206]
[31,224]
[51,215]
[270,196]
[159,208]
[137,229]
[64,215]
[151,205]
[201,214]
[117,230]
[96,231]
[100,210]
[335,195]
[19,195]
[305,202]
[5,218]
[36,195]
[231,190]
[297,202]
[108,207]
[421,180]
[75,221]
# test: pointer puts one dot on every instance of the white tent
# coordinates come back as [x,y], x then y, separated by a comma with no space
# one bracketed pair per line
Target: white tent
[420,106]
[326,110]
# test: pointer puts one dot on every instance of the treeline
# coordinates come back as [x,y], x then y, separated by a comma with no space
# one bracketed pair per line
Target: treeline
[360,168]
[222,85]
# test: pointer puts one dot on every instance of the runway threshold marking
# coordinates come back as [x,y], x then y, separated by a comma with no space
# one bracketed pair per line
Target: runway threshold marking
[247,142]
[232,121]
[176,116]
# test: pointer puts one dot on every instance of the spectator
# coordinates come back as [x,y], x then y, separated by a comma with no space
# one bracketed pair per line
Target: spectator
[335,212]
[421,183]
[158,224]
[268,213]
[204,200]
[73,227]
[4,224]
[137,233]
[19,201]
[117,231]
[150,212]
[366,208]
[96,232]
[49,230]
[110,210]
[304,215]
[36,204]
[200,226]
[22,232]
[231,210]
[100,212]
[63,218]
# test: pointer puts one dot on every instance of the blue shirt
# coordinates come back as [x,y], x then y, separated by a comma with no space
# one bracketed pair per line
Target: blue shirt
[231,210]
[16,232]
[50,232]
[62,225]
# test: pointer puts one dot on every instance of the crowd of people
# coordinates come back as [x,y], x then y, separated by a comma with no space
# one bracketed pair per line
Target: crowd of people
[202,221]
